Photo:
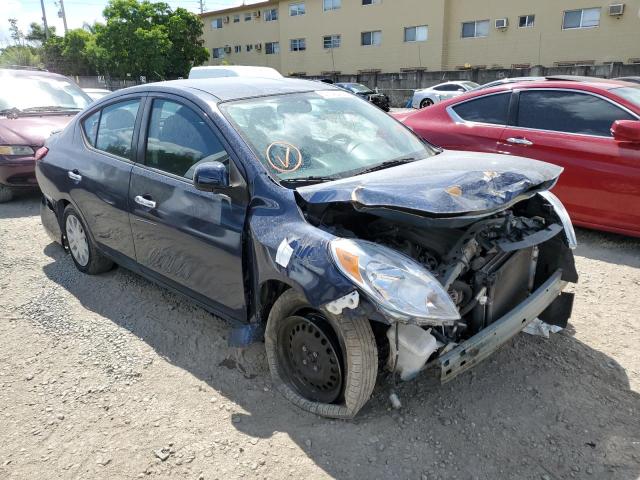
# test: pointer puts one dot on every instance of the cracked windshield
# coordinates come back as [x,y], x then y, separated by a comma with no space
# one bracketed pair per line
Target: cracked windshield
[324,135]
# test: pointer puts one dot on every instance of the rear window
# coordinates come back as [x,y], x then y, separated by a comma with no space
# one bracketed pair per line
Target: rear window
[492,109]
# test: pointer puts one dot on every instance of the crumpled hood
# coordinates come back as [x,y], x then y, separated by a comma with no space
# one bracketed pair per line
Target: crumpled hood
[31,130]
[451,183]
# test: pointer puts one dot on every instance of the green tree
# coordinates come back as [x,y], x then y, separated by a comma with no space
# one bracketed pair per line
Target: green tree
[16,34]
[150,39]
[36,34]
[19,55]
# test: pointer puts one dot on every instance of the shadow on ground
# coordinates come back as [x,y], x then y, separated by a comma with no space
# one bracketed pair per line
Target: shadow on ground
[24,204]
[538,409]
[608,247]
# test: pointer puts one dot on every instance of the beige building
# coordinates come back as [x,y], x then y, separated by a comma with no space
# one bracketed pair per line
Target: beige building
[316,37]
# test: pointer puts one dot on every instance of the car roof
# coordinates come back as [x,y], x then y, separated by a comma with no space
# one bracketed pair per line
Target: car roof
[235,88]
[29,72]
[569,82]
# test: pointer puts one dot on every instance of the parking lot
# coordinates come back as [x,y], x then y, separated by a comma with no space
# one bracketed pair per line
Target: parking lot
[111,376]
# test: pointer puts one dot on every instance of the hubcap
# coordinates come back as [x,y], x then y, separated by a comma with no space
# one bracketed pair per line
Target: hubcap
[309,353]
[77,240]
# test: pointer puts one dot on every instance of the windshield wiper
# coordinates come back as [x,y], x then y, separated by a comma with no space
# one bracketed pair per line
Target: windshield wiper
[52,108]
[387,164]
[307,180]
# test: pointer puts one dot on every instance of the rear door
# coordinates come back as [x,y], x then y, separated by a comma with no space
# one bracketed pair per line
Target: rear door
[99,177]
[187,238]
[478,123]
[572,129]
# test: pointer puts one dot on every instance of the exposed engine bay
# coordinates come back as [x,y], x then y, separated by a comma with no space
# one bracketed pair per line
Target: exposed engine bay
[488,266]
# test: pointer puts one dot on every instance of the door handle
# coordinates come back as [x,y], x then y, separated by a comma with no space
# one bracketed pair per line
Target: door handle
[145,202]
[74,175]
[520,141]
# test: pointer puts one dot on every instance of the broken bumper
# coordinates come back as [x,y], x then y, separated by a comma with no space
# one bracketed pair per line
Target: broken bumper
[490,339]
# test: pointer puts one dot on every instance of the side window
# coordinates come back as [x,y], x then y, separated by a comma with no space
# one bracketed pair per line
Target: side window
[115,133]
[489,109]
[448,88]
[178,139]
[570,112]
[90,127]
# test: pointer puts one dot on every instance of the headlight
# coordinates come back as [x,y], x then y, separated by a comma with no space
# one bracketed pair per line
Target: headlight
[400,286]
[16,150]
[563,215]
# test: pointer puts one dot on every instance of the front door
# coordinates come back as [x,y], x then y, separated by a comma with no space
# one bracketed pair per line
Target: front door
[572,129]
[187,238]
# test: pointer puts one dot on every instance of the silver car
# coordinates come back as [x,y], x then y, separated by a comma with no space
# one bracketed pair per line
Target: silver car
[429,96]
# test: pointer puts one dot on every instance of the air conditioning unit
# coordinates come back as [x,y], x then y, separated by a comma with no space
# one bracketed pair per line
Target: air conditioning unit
[616,10]
[502,23]
[225,20]
[227,49]
[258,46]
[256,14]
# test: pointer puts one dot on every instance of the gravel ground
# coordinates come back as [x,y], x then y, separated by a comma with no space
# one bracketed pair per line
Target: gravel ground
[114,377]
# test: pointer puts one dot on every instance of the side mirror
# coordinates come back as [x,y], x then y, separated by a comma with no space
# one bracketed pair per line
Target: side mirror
[626,131]
[210,176]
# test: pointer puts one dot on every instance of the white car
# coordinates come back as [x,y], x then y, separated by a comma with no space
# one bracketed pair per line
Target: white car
[96,93]
[426,97]
[233,71]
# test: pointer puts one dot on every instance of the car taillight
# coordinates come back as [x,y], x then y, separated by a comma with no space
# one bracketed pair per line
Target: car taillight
[41,153]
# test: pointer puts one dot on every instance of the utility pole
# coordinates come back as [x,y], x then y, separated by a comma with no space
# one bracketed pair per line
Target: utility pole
[201,6]
[44,20]
[63,15]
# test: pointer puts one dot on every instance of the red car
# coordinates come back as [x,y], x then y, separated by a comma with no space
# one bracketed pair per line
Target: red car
[590,127]
[33,104]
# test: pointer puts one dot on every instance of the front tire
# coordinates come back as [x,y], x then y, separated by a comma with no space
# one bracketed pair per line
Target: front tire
[83,252]
[6,194]
[325,364]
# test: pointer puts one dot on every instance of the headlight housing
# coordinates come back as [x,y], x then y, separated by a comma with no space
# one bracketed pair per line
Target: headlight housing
[16,150]
[401,287]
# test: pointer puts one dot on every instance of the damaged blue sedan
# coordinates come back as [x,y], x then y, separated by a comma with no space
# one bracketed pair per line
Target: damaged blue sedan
[309,218]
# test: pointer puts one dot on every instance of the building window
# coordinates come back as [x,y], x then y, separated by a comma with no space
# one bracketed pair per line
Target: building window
[331,41]
[331,5]
[296,9]
[371,38]
[416,34]
[479,28]
[583,18]
[236,19]
[238,48]
[218,52]
[272,48]
[370,2]
[298,44]
[249,47]
[247,17]
[271,15]
[216,23]
[527,21]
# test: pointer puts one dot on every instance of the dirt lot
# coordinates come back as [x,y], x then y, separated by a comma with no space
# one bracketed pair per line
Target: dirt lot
[113,377]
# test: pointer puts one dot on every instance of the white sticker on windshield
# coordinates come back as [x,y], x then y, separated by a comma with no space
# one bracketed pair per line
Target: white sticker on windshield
[283,255]
[332,94]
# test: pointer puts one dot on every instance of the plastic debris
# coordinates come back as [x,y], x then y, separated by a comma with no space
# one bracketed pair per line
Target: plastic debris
[540,328]
[350,300]
[395,401]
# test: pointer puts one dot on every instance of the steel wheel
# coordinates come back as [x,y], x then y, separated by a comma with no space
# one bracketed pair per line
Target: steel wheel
[311,357]
[77,240]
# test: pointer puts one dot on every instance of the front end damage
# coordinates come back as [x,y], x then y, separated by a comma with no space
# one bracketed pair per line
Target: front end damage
[500,268]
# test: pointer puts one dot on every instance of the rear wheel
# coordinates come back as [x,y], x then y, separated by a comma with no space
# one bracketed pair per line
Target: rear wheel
[325,364]
[83,252]
[427,102]
[6,194]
